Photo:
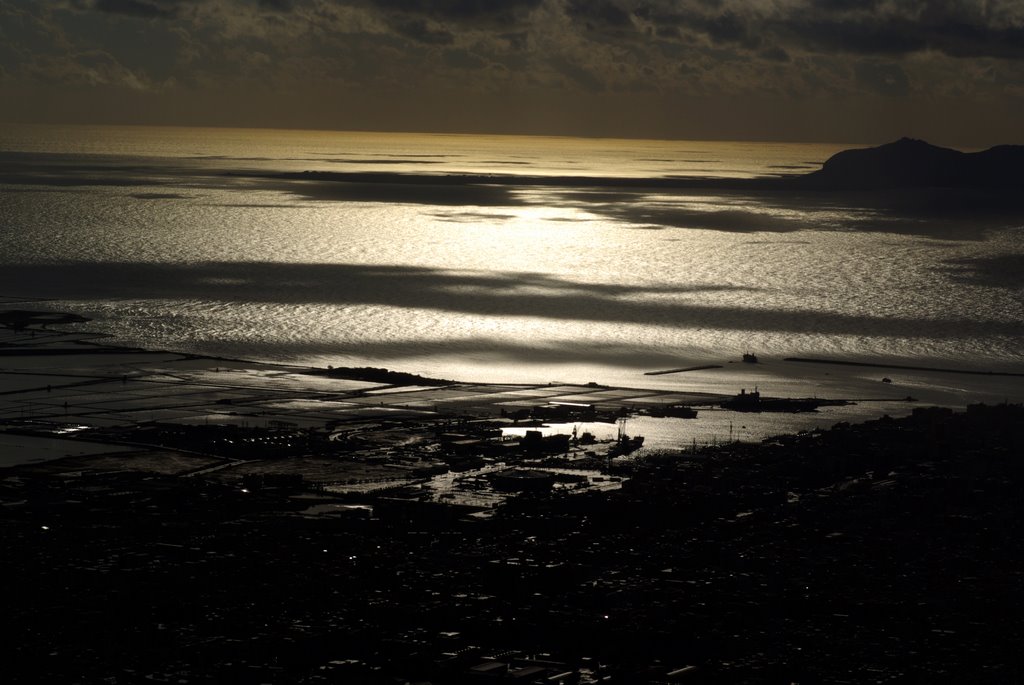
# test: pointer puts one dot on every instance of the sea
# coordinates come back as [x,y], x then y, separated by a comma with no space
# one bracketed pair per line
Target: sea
[212,241]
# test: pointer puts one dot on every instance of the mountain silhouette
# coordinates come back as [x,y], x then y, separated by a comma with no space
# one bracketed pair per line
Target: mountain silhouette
[910,163]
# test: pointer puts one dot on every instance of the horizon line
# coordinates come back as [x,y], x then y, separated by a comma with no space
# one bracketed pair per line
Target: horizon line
[476,134]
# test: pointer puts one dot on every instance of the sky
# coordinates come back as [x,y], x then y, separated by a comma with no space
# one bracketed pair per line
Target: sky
[949,71]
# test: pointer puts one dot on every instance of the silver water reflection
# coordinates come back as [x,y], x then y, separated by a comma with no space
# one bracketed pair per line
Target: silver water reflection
[173,239]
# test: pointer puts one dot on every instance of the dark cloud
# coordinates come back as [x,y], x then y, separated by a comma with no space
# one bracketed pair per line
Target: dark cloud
[941,27]
[134,8]
[283,6]
[598,14]
[720,26]
[775,54]
[489,11]
[972,40]
[578,74]
[962,29]
[844,5]
[536,54]
[729,27]
[419,31]
[462,59]
[882,78]
[895,37]
[516,40]
[865,27]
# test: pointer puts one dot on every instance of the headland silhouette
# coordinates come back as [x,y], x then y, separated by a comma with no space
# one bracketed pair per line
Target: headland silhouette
[911,163]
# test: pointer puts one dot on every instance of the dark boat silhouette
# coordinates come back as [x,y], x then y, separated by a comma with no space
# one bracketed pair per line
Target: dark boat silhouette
[675,411]
[753,402]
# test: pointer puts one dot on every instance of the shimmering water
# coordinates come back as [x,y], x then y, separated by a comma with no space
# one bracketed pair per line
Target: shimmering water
[177,239]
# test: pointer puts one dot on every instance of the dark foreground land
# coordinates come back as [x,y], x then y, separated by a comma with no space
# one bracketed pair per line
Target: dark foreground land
[890,551]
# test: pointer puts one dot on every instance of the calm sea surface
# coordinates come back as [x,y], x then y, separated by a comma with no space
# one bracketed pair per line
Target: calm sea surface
[178,239]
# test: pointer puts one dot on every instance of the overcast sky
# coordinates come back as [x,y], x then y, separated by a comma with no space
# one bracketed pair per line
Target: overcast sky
[951,71]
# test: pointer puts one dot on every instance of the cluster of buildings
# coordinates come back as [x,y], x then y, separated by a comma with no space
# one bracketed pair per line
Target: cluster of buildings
[884,552]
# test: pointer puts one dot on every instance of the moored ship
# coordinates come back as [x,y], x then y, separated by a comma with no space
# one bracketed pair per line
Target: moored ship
[753,402]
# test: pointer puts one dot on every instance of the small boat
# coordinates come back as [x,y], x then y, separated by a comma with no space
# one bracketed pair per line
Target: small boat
[749,358]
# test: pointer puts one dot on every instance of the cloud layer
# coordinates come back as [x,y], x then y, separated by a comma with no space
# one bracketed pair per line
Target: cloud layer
[793,68]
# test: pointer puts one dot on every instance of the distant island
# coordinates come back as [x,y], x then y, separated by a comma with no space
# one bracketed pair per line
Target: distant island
[910,163]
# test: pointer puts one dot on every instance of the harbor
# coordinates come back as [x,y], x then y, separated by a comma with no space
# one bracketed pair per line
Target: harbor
[67,386]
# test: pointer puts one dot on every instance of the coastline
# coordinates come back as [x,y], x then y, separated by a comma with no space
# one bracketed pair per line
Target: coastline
[44,370]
